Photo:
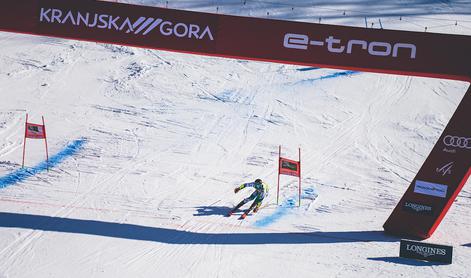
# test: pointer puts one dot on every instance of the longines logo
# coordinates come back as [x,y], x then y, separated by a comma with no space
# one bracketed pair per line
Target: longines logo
[417,208]
[426,251]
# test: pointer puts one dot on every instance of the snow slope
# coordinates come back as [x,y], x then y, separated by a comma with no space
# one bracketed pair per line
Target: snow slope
[150,144]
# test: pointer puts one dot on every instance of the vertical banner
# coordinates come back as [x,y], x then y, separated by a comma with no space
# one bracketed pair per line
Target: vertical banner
[439,180]
[291,168]
[34,131]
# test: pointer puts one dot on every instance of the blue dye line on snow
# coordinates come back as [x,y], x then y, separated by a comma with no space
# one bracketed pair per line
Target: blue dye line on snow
[333,75]
[307,69]
[24,173]
[285,208]
[279,213]
[339,74]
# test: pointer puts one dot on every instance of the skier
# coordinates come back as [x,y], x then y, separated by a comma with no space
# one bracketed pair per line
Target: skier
[261,191]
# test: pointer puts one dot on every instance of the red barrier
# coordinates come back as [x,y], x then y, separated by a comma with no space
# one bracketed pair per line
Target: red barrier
[408,53]
[439,180]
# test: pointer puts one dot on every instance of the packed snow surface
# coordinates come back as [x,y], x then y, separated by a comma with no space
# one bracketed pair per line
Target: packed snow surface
[147,146]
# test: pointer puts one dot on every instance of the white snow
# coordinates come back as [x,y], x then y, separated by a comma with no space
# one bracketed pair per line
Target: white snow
[168,136]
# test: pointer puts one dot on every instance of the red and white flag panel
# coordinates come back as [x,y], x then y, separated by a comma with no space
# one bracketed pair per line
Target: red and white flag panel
[289,167]
[35,131]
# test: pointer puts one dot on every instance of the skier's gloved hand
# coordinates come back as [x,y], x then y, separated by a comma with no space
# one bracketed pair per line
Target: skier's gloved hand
[237,189]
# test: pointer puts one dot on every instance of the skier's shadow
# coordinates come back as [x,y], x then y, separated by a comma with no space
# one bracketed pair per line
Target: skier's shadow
[211,210]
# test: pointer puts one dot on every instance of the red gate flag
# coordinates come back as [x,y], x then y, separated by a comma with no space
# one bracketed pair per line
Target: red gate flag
[291,168]
[35,131]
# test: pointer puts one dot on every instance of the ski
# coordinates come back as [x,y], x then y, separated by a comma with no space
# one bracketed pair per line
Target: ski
[243,216]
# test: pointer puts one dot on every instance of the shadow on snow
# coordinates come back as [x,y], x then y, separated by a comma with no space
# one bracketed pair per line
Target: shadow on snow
[171,236]
[404,261]
[212,210]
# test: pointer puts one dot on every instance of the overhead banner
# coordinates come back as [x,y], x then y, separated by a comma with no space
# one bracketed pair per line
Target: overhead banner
[430,194]
[411,53]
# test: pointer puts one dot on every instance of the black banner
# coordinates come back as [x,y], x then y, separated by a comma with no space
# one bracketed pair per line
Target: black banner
[426,251]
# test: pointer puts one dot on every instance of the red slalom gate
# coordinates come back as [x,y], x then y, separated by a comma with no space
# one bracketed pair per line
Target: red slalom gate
[291,168]
[445,170]
[35,131]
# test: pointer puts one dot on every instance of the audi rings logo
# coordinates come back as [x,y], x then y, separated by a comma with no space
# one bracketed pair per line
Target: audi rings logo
[457,142]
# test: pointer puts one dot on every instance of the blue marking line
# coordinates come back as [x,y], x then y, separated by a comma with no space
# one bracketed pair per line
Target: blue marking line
[339,74]
[329,76]
[279,213]
[307,69]
[24,173]
[285,208]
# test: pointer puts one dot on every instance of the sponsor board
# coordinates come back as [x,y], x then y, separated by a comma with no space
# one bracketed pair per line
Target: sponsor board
[414,207]
[426,251]
[289,165]
[431,189]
